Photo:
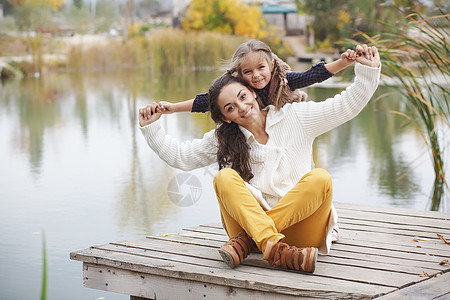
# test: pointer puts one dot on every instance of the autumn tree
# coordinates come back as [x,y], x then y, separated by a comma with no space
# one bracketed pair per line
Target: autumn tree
[225,16]
[55,4]
[35,13]
[335,20]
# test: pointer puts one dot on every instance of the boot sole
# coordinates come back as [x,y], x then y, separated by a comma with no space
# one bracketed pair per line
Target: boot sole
[227,258]
[314,261]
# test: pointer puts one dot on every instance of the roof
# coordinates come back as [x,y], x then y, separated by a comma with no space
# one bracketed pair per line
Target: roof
[276,9]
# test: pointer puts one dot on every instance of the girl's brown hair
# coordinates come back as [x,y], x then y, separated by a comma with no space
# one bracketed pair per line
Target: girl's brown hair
[279,91]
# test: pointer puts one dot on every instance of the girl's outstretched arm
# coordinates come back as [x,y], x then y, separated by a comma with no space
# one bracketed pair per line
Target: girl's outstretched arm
[343,62]
[198,104]
[165,107]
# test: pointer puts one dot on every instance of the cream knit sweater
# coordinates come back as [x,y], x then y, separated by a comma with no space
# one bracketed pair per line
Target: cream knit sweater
[278,165]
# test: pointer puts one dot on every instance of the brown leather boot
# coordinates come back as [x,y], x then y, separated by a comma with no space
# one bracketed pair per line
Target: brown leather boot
[291,257]
[236,249]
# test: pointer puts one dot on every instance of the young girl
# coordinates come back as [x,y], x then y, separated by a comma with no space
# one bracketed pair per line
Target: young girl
[264,158]
[267,75]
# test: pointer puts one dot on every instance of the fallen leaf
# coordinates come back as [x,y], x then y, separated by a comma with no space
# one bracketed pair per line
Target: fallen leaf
[164,234]
[443,239]
[422,239]
[445,262]
[419,246]
[424,275]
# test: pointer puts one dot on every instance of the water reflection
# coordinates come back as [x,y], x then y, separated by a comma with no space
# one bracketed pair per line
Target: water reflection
[43,105]
[386,140]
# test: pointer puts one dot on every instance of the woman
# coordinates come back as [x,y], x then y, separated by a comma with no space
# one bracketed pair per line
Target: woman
[268,194]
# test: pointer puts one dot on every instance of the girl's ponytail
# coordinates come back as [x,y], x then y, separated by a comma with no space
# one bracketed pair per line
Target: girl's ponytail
[279,91]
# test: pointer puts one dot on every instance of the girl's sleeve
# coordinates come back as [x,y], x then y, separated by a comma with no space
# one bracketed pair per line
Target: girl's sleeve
[317,118]
[186,156]
[317,73]
[200,103]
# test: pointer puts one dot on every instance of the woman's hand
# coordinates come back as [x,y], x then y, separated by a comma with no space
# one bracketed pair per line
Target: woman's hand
[149,114]
[368,56]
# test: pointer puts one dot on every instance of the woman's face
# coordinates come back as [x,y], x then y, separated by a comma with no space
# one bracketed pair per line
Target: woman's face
[256,69]
[238,104]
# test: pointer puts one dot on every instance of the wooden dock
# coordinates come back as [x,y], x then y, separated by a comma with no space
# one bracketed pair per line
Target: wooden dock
[384,253]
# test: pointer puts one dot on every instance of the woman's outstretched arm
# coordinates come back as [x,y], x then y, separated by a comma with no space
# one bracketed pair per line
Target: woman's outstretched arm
[317,118]
[186,156]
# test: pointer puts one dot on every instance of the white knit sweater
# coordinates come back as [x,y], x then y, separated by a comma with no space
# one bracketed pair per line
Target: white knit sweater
[278,165]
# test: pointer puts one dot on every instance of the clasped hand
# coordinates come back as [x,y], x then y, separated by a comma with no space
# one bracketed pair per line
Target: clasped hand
[149,114]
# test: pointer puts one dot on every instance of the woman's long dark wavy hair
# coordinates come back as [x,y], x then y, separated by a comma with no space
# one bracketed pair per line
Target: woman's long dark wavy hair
[233,148]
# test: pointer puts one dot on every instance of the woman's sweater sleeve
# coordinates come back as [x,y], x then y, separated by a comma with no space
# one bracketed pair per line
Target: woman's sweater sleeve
[319,117]
[186,156]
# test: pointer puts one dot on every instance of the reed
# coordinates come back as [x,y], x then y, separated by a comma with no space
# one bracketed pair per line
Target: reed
[44,268]
[171,49]
[164,51]
[416,56]
[35,44]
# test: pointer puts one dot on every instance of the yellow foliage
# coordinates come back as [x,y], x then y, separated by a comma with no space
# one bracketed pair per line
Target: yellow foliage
[55,4]
[225,16]
[343,17]
[133,29]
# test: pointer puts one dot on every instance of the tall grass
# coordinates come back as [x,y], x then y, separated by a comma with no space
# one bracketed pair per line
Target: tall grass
[171,49]
[165,51]
[416,56]
[35,43]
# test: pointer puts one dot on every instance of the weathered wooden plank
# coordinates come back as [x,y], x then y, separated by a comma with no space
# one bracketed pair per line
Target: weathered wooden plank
[399,232]
[213,263]
[391,239]
[397,211]
[355,258]
[210,230]
[356,272]
[418,230]
[291,283]
[426,224]
[368,247]
[388,253]
[432,242]
[432,288]
[149,286]
[424,248]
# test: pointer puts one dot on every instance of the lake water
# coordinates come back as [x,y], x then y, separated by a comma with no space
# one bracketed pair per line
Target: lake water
[74,166]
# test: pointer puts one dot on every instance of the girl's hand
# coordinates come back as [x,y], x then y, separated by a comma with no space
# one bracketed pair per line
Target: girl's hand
[348,57]
[368,56]
[165,107]
[148,114]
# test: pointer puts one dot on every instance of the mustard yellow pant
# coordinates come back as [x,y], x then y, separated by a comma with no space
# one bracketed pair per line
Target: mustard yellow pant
[300,218]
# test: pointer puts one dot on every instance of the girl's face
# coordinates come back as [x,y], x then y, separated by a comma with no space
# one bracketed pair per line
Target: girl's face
[256,69]
[238,104]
